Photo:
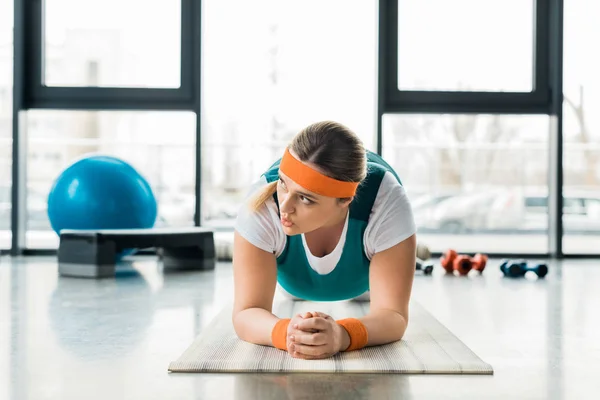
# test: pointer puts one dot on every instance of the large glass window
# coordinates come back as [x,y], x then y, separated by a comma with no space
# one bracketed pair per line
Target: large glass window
[6,83]
[160,145]
[466,45]
[581,128]
[131,43]
[288,69]
[476,182]
[5,333]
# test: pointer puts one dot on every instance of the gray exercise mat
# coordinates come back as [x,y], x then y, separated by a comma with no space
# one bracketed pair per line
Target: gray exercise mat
[428,347]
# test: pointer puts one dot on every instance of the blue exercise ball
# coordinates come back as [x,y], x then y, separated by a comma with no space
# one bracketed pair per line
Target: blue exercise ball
[101,192]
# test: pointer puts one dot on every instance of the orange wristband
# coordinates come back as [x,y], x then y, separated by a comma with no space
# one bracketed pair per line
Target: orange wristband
[357,332]
[279,334]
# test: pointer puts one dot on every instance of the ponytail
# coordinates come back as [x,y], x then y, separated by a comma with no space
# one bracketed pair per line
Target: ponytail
[262,196]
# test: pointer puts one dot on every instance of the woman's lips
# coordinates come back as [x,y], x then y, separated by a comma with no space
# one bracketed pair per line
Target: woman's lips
[286,222]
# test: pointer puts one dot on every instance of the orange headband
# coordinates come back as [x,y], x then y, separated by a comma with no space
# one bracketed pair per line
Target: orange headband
[313,180]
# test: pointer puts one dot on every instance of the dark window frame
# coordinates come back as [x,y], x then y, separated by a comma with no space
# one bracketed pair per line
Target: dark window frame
[29,92]
[39,96]
[395,100]
[545,98]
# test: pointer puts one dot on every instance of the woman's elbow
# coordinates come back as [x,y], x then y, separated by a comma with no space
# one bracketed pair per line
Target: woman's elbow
[401,326]
[244,327]
[238,325]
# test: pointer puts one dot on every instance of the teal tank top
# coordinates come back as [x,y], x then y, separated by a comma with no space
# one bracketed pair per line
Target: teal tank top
[350,277]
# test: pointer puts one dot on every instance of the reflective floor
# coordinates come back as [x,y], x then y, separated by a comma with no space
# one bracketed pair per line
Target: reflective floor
[66,338]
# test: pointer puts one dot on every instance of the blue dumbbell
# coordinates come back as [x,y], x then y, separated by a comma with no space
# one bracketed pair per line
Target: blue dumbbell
[517,269]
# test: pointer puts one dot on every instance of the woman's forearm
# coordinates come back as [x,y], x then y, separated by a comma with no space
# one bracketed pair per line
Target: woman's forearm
[384,326]
[255,325]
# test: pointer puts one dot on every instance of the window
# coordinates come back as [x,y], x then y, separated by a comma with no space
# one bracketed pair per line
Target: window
[581,128]
[295,70]
[158,144]
[5,97]
[131,43]
[536,205]
[466,45]
[573,206]
[481,176]
[6,330]
[6,83]
[465,56]
[592,207]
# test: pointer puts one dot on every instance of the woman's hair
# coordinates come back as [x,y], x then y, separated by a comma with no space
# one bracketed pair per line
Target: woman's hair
[333,148]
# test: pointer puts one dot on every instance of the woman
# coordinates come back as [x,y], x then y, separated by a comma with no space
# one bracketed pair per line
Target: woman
[329,221]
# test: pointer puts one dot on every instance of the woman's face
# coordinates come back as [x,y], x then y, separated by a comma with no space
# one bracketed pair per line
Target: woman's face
[302,211]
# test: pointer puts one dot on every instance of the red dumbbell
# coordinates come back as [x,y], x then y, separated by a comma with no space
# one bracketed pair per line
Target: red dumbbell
[479,262]
[447,260]
[452,261]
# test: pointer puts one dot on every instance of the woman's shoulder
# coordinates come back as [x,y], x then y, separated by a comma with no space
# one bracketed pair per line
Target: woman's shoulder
[245,208]
[260,227]
[391,220]
[390,186]
[391,199]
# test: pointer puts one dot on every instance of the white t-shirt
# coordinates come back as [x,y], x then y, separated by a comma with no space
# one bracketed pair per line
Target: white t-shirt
[391,221]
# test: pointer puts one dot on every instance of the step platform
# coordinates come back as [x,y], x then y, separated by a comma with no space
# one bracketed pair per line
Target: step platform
[93,253]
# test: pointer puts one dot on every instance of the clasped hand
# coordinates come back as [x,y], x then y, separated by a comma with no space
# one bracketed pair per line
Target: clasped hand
[315,335]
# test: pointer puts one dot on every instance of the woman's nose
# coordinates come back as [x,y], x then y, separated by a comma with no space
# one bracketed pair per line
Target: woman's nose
[285,204]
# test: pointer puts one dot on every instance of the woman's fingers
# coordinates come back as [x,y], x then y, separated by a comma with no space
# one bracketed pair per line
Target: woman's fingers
[311,314]
[307,357]
[311,339]
[315,323]
[314,351]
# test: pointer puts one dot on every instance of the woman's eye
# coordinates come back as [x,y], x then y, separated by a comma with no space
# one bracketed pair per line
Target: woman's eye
[282,184]
[306,200]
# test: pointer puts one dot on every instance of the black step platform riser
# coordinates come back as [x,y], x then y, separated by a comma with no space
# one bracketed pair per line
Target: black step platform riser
[92,254]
